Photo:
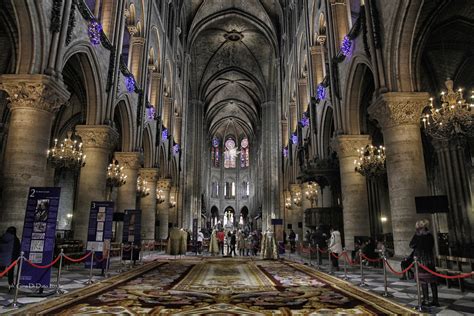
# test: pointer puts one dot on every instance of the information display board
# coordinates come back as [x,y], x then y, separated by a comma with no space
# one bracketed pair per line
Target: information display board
[132,225]
[39,233]
[99,232]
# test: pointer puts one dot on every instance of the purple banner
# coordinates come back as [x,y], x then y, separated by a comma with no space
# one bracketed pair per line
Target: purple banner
[39,233]
[99,233]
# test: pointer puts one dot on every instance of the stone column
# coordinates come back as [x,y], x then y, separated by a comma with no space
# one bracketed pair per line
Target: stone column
[98,142]
[148,203]
[296,211]
[127,193]
[317,64]
[303,96]
[173,211]
[353,187]
[163,208]
[33,101]
[138,45]
[398,113]
[167,103]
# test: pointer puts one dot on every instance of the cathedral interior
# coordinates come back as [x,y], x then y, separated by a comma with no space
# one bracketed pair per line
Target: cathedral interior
[257,157]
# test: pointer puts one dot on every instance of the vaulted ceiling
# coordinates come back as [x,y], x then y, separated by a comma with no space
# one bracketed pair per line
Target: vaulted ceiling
[233,46]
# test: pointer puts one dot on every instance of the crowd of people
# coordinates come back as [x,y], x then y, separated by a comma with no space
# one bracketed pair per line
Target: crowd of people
[247,243]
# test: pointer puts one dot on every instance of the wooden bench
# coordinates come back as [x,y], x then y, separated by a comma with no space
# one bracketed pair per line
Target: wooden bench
[451,265]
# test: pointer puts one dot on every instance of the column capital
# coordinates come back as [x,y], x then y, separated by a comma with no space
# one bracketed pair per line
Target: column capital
[347,145]
[155,75]
[97,136]
[164,184]
[39,92]
[149,174]
[315,50]
[128,160]
[398,108]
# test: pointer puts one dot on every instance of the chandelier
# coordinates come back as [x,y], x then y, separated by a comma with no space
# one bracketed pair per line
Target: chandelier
[142,187]
[297,198]
[160,196]
[454,118]
[311,192]
[172,201]
[371,162]
[68,154]
[115,177]
[288,202]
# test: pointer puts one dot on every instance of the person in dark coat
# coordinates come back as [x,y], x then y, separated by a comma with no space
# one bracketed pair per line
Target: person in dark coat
[10,249]
[320,241]
[292,238]
[233,241]
[422,244]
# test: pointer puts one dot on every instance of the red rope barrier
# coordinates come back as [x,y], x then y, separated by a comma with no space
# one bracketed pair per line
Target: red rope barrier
[349,260]
[78,260]
[322,250]
[370,259]
[4,272]
[45,266]
[336,256]
[101,259]
[459,276]
[396,272]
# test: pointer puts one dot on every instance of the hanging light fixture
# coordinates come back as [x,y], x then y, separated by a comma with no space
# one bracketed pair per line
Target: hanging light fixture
[311,192]
[288,202]
[297,199]
[115,176]
[371,162]
[67,154]
[455,117]
[142,187]
[160,196]
[172,201]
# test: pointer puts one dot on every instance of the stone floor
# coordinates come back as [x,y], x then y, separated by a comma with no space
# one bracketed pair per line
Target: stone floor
[453,301]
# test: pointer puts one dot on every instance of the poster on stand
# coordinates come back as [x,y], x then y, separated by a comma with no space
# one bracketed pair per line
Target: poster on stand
[99,232]
[39,233]
[132,225]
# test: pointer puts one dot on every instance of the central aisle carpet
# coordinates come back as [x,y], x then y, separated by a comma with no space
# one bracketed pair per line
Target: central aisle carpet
[233,287]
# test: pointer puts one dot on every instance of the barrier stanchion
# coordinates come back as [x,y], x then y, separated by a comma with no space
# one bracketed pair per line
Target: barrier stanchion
[362,281]
[310,255]
[345,264]
[121,257]
[131,255]
[419,307]
[15,303]
[107,262]
[317,256]
[92,266]
[385,282]
[58,279]
[329,262]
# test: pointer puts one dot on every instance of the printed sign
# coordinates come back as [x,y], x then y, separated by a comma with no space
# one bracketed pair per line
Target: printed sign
[99,233]
[39,233]
[132,224]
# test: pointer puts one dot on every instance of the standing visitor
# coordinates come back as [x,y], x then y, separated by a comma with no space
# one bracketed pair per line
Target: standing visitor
[335,247]
[241,240]
[214,244]
[422,244]
[220,241]
[200,238]
[10,249]
[233,241]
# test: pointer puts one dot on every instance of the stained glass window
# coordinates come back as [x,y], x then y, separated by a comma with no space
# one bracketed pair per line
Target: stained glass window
[230,154]
[215,159]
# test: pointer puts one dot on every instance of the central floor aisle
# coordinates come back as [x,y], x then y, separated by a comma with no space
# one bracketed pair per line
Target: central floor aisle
[228,286]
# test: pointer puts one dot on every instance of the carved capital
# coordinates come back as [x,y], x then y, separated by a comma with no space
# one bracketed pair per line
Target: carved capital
[398,108]
[128,160]
[39,92]
[164,184]
[97,136]
[347,145]
[149,174]
[315,50]
[138,40]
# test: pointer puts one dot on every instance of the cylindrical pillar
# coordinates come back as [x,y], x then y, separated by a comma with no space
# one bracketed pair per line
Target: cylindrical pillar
[126,194]
[163,190]
[148,204]
[98,141]
[353,187]
[398,113]
[33,100]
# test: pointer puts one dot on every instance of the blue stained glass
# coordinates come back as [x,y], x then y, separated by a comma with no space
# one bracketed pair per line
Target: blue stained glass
[94,31]
[285,152]
[176,149]
[294,139]
[164,134]
[215,142]
[321,92]
[346,46]
[130,83]
[305,120]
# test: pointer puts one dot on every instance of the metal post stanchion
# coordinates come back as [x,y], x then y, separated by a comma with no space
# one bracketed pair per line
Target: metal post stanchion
[107,262]
[92,266]
[121,258]
[58,279]
[419,307]
[131,255]
[317,256]
[385,284]
[329,262]
[15,303]
[345,264]
[362,281]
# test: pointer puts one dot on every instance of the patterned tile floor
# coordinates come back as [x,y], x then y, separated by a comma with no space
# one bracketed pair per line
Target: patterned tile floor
[453,301]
